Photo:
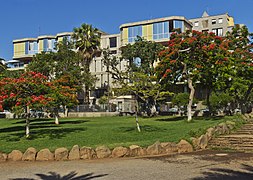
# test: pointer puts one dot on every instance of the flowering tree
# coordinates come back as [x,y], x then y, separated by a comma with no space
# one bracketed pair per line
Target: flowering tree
[32,91]
[241,48]
[63,93]
[29,91]
[194,57]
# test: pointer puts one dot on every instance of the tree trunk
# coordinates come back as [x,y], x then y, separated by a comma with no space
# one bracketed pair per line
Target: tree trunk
[136,116]
[208,101]
[66,111]
[189,107]
[87,97]
[27,132]
[56,115]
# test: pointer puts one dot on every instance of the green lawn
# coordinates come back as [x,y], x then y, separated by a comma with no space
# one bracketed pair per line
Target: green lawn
[110,131]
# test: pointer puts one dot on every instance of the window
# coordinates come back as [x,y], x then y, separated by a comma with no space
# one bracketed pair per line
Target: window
[178,25]
[218,32]
[213,21]
[113,42]
[205,31]
[32,47]
[220,20]
[137,62]
[161,30]
[133,32]
[196,24]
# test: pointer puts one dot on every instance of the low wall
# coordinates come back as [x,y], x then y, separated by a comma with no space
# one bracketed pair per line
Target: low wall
[92,114]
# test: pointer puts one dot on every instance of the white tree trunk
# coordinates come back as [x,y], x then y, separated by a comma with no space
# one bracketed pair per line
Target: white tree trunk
[66,111]
[136,116]
[27,131]
[56,119]
[189,107]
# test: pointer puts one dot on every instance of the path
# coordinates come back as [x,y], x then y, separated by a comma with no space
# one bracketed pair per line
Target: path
[194,166]
[241,140]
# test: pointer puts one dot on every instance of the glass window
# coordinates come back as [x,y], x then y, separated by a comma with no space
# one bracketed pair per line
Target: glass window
[161,30]
[220,32]
[133,32]
[196,24]
[113,42]
[220,20]
[179,25]
[32,47]
[137,61]
[213,21]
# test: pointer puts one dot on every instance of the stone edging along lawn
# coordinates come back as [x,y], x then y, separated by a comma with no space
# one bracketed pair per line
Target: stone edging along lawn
[76,153]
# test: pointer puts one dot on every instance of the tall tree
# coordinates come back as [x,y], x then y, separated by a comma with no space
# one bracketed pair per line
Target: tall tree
[138,77]
[193,57]
[21,94]
[60,66]
[241,48]
[87,43]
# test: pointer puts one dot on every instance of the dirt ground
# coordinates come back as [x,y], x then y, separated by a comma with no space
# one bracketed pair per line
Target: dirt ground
[201,165]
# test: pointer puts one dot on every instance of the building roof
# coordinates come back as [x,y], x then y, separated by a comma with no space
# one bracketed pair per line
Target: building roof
[154,21]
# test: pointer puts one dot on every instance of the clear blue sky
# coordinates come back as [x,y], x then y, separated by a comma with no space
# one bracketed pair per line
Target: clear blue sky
[30,18]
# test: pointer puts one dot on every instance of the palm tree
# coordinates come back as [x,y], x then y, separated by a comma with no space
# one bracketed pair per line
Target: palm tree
[2,65]
[87,43]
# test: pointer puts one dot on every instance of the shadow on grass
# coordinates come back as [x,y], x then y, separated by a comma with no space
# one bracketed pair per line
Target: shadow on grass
[42,129]
[70,176]
[51,121]
[51,133]
[174,118]
[181,118]
[228,174]
[145,128]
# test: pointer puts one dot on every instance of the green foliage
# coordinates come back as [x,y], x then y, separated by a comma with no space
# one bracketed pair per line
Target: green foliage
[220,101]
[147,51]
[180,99]
[103,100]
[138,80]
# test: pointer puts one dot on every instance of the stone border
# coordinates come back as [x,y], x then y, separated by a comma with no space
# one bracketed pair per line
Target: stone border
[77,153]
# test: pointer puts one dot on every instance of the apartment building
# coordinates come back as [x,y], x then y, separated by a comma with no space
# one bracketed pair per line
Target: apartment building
[157,30]
[218,24]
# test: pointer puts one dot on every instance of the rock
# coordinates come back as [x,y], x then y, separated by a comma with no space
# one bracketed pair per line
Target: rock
[137,151]
[3,157]
[103,152]
[29,154]
[203,141]
[120,152]
[155,149]
[45,155]
[230,124]
[169,147]
[184,146]
[224,128]
[61,154]
[218,130]
[74,153]
[195,143]
[210,133]
[15,155]
[87,153]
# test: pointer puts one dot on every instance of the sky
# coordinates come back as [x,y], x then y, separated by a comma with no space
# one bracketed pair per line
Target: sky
[31,18]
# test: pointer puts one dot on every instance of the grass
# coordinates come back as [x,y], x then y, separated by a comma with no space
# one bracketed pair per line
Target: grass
[109,131]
